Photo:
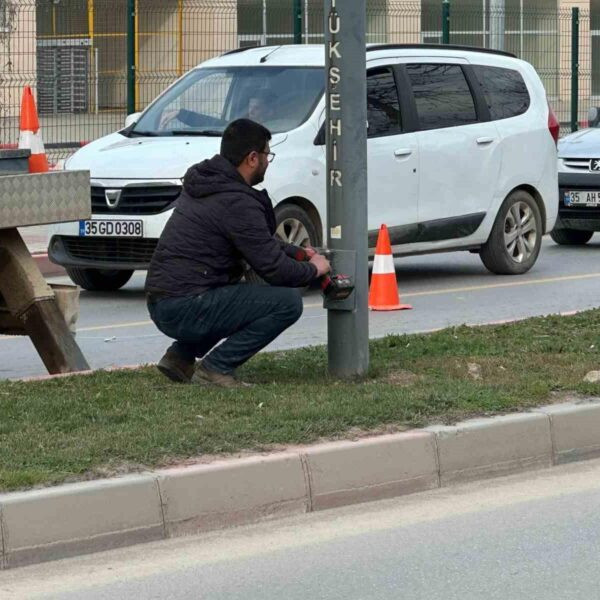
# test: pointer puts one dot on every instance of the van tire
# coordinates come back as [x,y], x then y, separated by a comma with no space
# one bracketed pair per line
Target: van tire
[99,280]
[571,237]
[286,217]
[498,254]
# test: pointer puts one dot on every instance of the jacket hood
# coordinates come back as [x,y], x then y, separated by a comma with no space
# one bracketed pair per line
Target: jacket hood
[214,176]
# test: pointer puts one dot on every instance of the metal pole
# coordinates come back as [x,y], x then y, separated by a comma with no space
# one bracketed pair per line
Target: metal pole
[306,40]
[575,69]
[264,23]
[297,21]
[97,82]
[131,100]
[446,22]
[346,129]
[497,13]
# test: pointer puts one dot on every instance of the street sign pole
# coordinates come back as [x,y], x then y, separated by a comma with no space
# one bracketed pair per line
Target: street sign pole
[131,74]
[346,135]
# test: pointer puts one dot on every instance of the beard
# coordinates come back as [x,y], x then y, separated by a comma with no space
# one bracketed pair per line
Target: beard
[258,176]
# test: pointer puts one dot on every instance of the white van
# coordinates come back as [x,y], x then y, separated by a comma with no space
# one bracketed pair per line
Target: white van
[461,151]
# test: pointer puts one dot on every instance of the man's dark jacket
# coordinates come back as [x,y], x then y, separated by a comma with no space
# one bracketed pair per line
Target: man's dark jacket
[218,223]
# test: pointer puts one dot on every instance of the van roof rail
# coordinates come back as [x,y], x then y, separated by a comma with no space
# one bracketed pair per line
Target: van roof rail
[238,50]
[373,47]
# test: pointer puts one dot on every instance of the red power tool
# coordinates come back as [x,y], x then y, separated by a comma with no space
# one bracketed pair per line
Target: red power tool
[334,287]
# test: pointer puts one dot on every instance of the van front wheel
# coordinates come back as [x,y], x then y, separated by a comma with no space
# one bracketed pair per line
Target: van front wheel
[294,226]
[516,238]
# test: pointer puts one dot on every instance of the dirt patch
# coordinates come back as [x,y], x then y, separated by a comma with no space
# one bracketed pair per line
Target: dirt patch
[402,378]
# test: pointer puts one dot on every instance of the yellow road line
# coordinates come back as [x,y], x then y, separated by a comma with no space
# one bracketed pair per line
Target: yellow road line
[118,326]
[491,286]
[440,292]
[95,328]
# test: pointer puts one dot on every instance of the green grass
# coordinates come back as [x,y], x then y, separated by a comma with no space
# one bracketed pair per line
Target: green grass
[84,427]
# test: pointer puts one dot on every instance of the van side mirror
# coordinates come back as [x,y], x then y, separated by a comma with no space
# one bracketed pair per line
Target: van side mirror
[593,117]
[132,119]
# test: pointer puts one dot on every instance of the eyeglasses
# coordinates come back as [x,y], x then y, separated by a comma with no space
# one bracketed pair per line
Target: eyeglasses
[270,156]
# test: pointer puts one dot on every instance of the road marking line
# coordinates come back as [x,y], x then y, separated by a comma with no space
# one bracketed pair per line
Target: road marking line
[95,328]
[118,326]
[472,288]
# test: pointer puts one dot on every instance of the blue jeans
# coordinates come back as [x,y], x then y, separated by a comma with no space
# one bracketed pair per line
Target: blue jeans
[248,317]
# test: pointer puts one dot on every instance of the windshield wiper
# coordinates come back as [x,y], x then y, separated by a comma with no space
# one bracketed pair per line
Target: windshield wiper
[205,132]
[135,132]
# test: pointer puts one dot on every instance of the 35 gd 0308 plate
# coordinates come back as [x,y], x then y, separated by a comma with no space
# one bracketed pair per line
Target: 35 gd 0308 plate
[582,198]
[106,228]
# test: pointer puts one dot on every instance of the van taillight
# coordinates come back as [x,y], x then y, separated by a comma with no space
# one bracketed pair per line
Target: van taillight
[553,124]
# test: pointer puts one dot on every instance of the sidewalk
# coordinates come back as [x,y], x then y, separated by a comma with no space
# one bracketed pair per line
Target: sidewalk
[36,239]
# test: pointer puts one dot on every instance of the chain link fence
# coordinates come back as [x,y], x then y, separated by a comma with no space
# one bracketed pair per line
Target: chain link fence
[91,62]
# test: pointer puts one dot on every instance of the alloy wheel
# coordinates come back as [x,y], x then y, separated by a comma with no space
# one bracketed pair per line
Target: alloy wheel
[293,232]
[520,232]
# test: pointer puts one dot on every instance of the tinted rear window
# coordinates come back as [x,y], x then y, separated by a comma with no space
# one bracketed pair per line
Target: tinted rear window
[383,104]
[504,90]
[442,95]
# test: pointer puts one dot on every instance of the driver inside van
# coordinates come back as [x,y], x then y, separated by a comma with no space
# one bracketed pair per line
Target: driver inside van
[260,109]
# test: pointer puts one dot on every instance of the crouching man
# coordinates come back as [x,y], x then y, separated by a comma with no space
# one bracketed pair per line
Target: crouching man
[193,285]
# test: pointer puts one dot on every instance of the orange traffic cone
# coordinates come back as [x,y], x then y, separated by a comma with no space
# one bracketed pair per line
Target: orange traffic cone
[383,294]
[30,136]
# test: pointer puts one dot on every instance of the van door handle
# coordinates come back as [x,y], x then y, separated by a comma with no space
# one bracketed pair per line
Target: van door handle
[402,152]
[482,141]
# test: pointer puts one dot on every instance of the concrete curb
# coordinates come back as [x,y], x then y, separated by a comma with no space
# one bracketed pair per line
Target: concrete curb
[88,517]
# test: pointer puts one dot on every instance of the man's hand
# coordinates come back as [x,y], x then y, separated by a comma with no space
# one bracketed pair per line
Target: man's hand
[310,251]
[322,264]
[167,117]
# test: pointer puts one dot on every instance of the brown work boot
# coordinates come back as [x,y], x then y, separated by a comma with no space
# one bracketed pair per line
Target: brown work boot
[175,367]
[202,376]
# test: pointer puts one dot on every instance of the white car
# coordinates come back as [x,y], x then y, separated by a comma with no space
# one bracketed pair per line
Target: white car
[461,151]
[579,183]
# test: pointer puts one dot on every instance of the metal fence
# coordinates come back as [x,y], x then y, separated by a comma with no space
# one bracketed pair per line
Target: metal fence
[93,61]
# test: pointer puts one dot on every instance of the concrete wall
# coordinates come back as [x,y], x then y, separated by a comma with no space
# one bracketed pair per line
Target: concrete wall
[174,36]
[209,33]
[404,22]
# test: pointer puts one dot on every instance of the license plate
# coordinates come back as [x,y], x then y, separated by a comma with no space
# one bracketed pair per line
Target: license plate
[98,228]
[582,198]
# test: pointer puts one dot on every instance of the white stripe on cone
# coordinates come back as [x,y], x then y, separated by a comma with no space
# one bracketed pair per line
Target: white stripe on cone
[31,141]
[383,264]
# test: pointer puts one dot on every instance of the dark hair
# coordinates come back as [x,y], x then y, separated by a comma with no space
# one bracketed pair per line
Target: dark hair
[242,137]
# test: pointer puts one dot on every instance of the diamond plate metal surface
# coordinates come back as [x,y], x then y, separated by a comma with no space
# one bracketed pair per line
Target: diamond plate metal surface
[44,198]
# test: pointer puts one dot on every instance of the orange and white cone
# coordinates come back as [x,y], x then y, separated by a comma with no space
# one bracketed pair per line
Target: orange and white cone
[30,137]
[383,294]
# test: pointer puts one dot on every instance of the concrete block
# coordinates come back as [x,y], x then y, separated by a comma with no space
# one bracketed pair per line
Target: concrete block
[79,518]
[575,431]
[482,448]
[232,492]
[391,465]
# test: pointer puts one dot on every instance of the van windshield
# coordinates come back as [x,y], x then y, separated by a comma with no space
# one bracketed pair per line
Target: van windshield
[206,100]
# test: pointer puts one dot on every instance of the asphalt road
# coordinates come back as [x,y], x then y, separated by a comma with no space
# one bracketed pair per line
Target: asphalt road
[445,289]
[526,537]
